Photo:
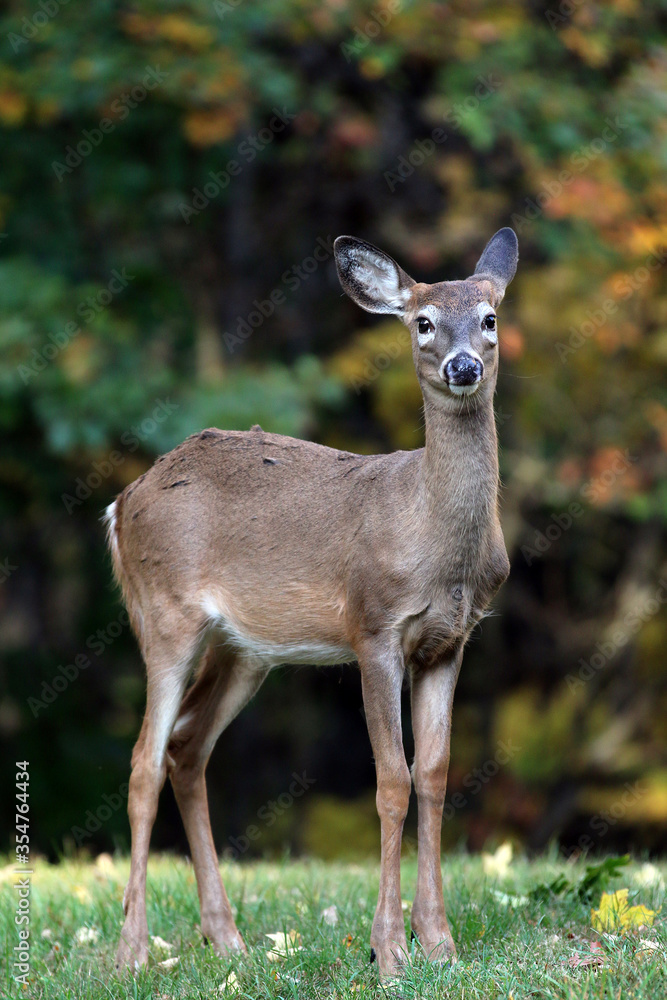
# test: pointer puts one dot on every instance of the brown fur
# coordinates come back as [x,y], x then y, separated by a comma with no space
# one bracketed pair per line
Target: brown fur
[310,552]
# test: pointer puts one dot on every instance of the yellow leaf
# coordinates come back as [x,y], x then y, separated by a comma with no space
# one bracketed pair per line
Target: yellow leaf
[615,914]
[283,944]
[497,865]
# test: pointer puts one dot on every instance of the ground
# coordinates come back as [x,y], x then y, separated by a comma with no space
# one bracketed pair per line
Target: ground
[511,945]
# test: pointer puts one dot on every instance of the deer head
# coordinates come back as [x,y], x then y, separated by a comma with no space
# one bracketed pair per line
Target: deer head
[453,324]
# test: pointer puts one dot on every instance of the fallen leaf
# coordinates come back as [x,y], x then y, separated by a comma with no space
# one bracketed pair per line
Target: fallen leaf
[615,913]
[86,935]
[169,963]
[330,915]
[515,902]
[497,865]
[55,953]
[586,960]
[159,944]
[230,985]
[104,864]
[284,943]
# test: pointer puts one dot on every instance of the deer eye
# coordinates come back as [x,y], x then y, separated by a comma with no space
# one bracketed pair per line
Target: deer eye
[424,325]
[489,322]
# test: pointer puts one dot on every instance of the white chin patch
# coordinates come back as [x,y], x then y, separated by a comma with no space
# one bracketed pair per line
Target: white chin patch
[463,390]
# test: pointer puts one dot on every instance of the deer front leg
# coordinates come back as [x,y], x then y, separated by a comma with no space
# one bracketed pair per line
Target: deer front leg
[381,678]
[432,697]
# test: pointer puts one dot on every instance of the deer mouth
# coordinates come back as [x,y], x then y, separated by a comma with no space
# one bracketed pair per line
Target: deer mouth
[463,390]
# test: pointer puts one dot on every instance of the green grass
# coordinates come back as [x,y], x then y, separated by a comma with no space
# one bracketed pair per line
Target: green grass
[503,952]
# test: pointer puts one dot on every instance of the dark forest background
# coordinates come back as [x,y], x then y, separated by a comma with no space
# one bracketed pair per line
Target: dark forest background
[171,177]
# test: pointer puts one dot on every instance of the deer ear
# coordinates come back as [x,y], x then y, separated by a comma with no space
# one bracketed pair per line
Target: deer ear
[499,260]
[370,277]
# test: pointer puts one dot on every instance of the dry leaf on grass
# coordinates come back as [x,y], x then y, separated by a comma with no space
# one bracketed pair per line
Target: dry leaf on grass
[593,958]
[497,865]
[649,951]
[159,944]
[615,913]
[513,902]
[104,864]
[86,935]
[284,943]
[55,953]
[230,986]
[330,915]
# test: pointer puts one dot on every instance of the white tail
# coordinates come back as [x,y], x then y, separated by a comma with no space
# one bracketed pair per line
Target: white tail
[240,551]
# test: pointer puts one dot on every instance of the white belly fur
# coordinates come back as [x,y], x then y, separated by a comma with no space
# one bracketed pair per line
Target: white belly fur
[268,653]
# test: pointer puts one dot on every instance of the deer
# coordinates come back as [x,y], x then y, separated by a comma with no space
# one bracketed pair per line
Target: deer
[240,551]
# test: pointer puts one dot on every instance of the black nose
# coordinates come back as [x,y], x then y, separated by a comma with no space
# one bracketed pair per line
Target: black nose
[463,369]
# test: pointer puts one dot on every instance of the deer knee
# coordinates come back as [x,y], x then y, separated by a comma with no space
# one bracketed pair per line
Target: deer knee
[186,771]
[393,796]
[146,781]
[431,778]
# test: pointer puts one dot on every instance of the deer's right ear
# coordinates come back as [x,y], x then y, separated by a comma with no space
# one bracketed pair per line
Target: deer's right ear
[370,277]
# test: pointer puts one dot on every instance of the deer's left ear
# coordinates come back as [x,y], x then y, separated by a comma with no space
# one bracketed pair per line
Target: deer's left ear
[499,261]
[371,277]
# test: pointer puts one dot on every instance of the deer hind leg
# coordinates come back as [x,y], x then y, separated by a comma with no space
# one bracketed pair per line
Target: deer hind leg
[169,662]
[224,685]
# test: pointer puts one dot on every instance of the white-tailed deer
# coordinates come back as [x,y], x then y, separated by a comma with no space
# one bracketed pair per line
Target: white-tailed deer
[240,551]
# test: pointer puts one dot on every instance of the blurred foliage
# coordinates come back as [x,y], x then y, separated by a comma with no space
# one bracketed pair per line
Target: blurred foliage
[172,176]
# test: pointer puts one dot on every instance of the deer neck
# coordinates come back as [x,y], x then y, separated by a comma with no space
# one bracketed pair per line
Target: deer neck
[459,472]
